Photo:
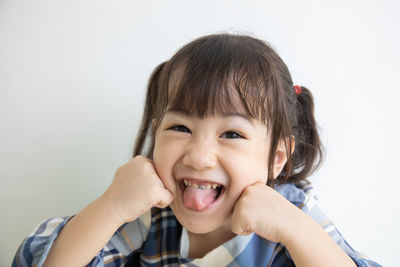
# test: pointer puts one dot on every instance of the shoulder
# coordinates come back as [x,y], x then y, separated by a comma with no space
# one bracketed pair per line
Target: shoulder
[301,194]
[304,196]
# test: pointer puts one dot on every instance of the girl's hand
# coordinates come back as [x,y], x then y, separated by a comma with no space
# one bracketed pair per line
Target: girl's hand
[262,210]
[135,189]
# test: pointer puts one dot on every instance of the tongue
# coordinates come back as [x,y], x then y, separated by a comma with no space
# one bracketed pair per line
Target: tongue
[198,199]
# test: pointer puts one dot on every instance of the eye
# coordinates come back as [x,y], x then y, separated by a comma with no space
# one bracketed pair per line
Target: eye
[179,128]
[231,135]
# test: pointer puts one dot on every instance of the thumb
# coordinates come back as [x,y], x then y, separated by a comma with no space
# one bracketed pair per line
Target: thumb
[240,225]
[165,198]
[240,230]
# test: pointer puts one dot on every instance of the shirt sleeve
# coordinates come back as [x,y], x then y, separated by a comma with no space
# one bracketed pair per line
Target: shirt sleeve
[34,249]
[129,238]
[312,208]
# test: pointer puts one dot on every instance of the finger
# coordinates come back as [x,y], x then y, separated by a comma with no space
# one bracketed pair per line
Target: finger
[236,229]
[240,226]
[165,199]
[239,229]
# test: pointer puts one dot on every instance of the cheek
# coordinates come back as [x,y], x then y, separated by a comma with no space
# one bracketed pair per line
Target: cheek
[251,166]
[251,174]
[163,163]
[160,162]
[261,163]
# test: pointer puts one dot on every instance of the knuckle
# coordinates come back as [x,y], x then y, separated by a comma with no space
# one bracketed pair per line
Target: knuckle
[243,199]
[252,188]
[118,172]
[138,158]
[147,167]
[248,190]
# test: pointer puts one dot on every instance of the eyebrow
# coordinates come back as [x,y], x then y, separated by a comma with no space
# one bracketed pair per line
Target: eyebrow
[224,115]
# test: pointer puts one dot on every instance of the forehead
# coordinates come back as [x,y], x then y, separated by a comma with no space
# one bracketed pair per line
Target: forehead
[203,103]
[197,97]
[216,76]
[230,115]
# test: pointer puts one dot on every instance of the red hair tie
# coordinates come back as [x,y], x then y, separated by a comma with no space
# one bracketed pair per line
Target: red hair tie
[297,89]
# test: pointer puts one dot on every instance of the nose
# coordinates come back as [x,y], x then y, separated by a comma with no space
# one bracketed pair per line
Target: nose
[200,155]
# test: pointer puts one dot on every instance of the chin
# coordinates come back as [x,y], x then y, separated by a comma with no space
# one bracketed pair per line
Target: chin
[199,229]
[197,223]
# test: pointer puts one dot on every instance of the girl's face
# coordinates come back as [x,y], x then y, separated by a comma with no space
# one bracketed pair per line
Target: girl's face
[207,163]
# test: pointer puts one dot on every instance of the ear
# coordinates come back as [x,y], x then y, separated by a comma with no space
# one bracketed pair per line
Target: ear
[281,156]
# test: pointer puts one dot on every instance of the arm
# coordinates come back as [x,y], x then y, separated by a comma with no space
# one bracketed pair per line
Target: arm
[310,245]
[135,189]
[265,212]
[84,236]
[34,248]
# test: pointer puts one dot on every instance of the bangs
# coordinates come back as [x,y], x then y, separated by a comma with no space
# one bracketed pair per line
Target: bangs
[213,76]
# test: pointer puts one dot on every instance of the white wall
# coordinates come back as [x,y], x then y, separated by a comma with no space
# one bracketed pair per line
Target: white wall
[72,82]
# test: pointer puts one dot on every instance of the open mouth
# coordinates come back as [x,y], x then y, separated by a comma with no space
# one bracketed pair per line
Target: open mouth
[199,196]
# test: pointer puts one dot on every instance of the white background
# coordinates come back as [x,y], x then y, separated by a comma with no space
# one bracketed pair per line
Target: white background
[73,77]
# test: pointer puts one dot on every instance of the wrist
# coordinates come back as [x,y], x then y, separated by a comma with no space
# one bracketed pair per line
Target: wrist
[108,210]
[309,245]
[296,227]
[84,235]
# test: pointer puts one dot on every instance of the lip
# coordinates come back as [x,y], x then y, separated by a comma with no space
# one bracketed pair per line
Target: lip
[199,181]
[182,186]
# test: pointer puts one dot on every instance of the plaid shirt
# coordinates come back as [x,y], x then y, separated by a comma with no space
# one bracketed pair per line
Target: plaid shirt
[157,239]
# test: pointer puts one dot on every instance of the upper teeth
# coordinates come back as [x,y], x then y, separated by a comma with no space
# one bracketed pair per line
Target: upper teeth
[208,186]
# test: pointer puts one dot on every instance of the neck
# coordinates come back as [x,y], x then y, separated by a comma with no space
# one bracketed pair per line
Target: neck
[201,244]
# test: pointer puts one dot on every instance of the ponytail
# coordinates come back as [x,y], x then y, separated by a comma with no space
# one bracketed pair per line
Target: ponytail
[148,113]
[308,153]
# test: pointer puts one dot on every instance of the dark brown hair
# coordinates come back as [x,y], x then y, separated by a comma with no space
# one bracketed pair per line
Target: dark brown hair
[206,76]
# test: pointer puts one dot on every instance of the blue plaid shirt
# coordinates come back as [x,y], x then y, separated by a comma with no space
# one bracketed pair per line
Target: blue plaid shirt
[157,239]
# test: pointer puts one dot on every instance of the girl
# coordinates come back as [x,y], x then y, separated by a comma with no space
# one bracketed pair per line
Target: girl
[231,142]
